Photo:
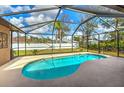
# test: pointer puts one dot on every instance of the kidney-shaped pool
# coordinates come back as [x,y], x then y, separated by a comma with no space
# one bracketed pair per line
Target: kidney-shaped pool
[52,68]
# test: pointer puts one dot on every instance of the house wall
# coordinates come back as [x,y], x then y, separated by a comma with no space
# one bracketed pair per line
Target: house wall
[5,52]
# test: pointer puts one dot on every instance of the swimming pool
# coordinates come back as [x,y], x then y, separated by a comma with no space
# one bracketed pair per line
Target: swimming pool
[52,68]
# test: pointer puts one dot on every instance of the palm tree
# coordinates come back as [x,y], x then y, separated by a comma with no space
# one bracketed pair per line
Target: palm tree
[62,29]
[58,27]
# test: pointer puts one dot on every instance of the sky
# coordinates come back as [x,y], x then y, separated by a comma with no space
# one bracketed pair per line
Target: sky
[28,18]
[38,17]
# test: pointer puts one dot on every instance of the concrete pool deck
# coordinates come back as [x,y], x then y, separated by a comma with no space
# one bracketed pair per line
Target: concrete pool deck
[107,72]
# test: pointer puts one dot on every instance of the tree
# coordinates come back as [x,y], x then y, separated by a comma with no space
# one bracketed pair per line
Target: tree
[58,26]
[76,38]
[115,22]
[118,23]
[88,28]
[62,29]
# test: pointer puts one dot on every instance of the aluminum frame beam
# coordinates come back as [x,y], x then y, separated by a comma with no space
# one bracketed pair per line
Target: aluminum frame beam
[82,24]
[37,24]
[93,13]
[54,25]
[37,27]
[107,23]
[47,34]
[117,36]
[41,33]
[115,7]
[56,19]
[29,11]
[112,16]
[49,22]
[77,10]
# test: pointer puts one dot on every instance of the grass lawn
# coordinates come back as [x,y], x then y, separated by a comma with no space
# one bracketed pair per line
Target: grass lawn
[45,51]
[112,53]
[49,51]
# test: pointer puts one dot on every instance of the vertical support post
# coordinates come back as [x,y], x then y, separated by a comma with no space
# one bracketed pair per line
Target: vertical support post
[87,41]
[72,43]
[11,50]
[25,45]
[117,34]
[82,41]
[82,24]
[99,51]
[117,37]
[117,41]
[54,26]
[18,42]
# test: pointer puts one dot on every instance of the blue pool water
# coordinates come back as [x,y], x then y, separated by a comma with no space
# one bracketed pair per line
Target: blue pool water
[53,68]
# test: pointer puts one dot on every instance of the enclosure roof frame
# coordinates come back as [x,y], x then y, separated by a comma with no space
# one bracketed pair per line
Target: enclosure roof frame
[118,8]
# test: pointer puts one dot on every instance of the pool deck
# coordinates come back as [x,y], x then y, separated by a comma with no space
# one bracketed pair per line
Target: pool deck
[107,72]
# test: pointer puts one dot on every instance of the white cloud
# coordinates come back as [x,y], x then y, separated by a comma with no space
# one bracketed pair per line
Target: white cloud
[44,29]
[20,8]
[37,19]
[17,9]
[4,8]
[34,18]
[103,29]
[47,13]
[17,21]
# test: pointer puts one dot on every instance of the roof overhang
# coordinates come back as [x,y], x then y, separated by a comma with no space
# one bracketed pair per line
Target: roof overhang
[10,26]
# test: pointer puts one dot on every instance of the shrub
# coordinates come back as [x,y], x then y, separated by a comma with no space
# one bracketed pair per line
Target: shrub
[34,51]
